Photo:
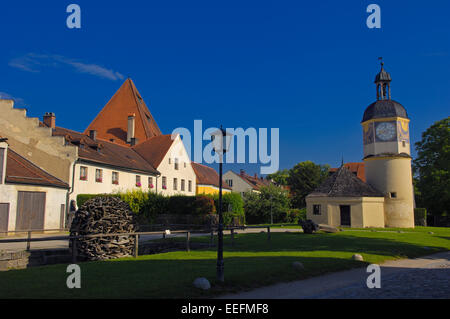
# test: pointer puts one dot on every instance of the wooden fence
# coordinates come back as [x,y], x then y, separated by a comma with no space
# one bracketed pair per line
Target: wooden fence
[188,233]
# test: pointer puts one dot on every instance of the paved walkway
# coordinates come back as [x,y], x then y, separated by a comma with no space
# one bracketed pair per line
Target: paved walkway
[425,277]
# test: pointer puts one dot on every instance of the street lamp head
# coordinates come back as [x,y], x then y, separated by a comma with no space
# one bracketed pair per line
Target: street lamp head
[221,141]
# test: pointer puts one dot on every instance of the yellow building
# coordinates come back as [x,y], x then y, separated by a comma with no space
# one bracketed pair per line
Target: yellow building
[208,180]
[386,199]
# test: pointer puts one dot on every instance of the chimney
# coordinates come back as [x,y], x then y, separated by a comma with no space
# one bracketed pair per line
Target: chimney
[242,173]
[50,119]
[130,130]
[93,134]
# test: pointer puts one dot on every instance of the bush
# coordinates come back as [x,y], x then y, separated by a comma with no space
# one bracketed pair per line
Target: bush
[231,202]
[295,214]
[233,219]
[203,205]
[420,216]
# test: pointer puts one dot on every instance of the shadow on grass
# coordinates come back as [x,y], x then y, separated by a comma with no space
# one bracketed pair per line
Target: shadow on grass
[150,278]
[252,262]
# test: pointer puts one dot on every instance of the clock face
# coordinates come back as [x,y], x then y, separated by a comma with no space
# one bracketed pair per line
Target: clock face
[385,131]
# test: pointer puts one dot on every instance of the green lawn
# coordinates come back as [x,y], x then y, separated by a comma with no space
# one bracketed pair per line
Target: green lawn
[250,263]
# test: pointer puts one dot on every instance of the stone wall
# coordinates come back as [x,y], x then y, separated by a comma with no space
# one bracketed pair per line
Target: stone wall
[13,260]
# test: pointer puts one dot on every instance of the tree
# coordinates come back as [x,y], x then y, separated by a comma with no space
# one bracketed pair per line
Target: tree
[303,179]
[271,202]
[432,169]
[280,177]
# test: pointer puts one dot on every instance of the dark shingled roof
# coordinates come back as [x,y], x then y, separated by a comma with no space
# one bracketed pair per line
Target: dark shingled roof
[107,153]
[383,76]
[384,108]
[344,183]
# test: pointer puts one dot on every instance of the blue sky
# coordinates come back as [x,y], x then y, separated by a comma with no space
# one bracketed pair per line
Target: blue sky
[306,67]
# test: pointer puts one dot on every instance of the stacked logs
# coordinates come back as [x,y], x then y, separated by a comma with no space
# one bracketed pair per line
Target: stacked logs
[103,215]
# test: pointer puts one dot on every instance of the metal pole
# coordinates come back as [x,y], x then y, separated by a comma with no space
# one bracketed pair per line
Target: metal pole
[271,215]
[188,238]
[136,246]
[28,241]
[220,264]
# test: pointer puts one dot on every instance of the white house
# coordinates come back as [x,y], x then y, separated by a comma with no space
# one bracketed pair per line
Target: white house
[242,182]
[30,198]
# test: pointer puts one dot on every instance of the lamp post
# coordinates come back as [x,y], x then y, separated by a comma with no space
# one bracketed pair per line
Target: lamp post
[221,142]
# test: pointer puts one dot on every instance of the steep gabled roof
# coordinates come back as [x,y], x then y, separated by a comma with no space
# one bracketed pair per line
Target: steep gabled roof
[358,169]
[106,153]
[344,183]
[154,149]
[21,171]
[207,175]
[112,121]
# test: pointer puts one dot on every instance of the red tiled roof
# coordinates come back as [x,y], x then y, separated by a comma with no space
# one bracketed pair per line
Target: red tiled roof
[21,171]
[154,149]
[254,181]
[356,168]
[104,152]
[207,175]
[112,121]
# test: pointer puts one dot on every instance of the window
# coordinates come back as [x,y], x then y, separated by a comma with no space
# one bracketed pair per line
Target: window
[169,160]
[182,185]
[138,181]
[317,210]
[404,143]
[393,195]
[150,182]
[229,182]
[83,173]
[190,186]
[174,184]
[99,175]
[176,164]
[164,182]
[184,164]
[115,178]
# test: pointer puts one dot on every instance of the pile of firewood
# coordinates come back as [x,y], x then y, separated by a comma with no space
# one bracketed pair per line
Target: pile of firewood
[104,215]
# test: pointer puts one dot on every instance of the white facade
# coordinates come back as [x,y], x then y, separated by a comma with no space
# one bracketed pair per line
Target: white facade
[176,165]
[55,199]
[92,185]
[238,184]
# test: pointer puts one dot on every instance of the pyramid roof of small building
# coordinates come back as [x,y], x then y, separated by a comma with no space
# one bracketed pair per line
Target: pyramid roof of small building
[343,183]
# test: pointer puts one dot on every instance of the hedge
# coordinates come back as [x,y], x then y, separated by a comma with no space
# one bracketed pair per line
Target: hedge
[149,205]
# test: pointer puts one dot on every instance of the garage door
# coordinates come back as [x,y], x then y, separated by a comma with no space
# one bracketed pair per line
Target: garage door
[30,210]
[4,217]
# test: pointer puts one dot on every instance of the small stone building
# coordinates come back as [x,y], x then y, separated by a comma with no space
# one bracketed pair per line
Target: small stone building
[345,200]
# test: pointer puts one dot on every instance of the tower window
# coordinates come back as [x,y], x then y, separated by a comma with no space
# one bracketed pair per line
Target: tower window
[393,195]
[403,143]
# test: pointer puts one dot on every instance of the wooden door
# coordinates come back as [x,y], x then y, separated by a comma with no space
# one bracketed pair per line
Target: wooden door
[4,217]
[345,215]
[30,210]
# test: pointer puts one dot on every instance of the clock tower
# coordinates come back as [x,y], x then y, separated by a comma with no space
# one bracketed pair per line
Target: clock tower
[387,155]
